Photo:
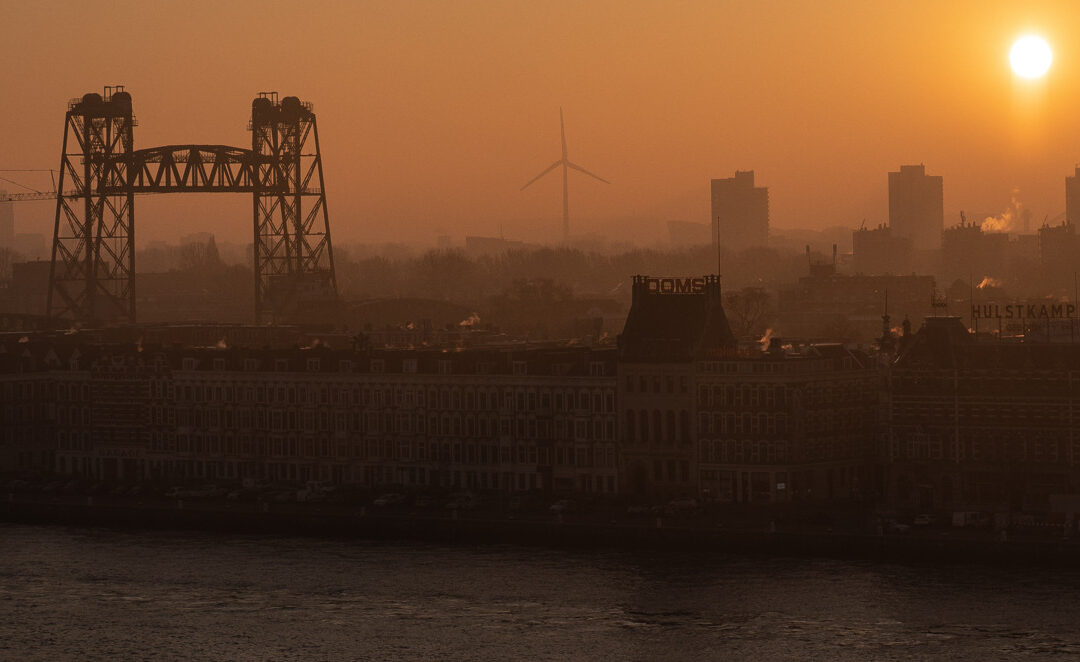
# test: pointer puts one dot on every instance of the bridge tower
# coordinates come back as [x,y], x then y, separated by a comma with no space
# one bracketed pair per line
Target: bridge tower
[92,277]
[293,255]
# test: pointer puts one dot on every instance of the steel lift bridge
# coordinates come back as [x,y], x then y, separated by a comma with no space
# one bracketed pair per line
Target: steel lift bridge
[92,278]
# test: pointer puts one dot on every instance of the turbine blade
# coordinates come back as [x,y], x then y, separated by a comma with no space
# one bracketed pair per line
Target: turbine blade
[580,169]
[546,171]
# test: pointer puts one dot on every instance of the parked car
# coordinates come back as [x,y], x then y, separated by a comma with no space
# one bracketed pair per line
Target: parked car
[895,527]
[562,506]
[680,506]
[242,494]
[462,502]
[390,499]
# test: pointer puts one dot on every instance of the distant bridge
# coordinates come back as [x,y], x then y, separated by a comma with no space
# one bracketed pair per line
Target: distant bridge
[92,279]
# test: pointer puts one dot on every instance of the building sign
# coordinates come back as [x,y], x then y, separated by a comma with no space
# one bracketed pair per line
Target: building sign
[1023,311]
[675,285]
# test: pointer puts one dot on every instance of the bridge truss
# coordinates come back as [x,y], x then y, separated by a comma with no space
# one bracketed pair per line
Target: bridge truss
[92,277]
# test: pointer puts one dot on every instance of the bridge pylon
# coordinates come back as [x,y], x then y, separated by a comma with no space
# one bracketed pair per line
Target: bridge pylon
[92,276]
[294,259]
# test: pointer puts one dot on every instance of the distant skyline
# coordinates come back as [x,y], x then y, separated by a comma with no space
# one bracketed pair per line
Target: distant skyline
[431,115]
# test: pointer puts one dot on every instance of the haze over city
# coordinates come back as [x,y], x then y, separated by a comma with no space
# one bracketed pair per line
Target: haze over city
[550,331]
[433,115]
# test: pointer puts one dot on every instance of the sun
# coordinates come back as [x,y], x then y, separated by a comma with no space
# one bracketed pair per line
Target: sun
[1030,57]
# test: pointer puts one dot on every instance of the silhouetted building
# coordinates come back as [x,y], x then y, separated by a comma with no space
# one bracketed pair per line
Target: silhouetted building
[1059,250]
[979,425]
[673,322]
[1072,197]
[827,305]
[916,206]
[503,419]
[7,223]
[879,251]
[30,285]
[969,253]
[740,212]
[788,424]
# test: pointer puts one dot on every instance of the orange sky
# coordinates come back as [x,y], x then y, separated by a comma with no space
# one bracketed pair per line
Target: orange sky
[433,114]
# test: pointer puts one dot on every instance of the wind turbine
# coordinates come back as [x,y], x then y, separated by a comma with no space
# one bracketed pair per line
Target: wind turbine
[566,164]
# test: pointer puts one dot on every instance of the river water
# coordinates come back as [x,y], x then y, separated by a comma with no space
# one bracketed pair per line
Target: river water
[68,593]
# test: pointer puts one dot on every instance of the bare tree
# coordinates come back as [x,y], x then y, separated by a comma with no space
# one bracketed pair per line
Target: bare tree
[749,311]
[200,257]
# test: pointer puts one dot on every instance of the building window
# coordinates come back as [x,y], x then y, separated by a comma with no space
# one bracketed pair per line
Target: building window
[313,365]
[519,367]
[219,364]
[378,365]
[596,369]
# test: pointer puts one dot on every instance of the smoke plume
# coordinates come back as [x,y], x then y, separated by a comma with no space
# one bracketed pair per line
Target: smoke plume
[1010,219]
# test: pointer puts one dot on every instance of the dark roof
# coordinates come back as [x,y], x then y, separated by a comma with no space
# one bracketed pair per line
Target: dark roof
[946,343]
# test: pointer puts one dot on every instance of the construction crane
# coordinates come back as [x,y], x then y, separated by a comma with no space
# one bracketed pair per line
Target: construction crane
[30,193]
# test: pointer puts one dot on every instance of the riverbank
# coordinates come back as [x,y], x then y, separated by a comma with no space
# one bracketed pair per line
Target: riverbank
[582,531]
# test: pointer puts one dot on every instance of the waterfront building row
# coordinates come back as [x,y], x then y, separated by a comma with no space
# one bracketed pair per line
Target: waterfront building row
[939,419]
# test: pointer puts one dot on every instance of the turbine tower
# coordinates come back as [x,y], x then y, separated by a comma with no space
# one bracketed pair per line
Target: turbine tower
[566,164]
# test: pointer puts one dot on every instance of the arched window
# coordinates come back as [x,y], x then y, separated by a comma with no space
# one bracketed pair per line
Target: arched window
[657,427]
[684,425]
[630,431]
[671,434]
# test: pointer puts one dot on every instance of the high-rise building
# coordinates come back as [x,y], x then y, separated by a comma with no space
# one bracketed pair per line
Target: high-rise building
[7,224]
[740,212]
[878,251]
[1072,198]
[916,207]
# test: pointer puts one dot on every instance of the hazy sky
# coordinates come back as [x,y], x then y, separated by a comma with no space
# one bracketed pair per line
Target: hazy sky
[433,114]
